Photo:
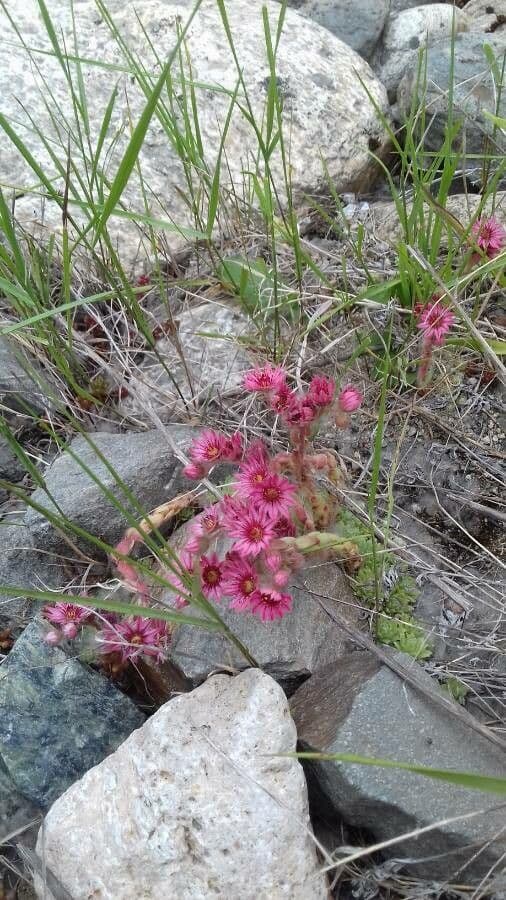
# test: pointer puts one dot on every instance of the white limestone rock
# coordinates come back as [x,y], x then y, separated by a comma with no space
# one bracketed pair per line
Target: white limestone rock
[326,108]
[192,805]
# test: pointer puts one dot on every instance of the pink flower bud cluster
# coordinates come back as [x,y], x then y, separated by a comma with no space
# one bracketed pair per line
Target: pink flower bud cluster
[297,409]
[129,638]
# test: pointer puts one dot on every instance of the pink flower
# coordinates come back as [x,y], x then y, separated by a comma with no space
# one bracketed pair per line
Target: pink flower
[298,411]
[231,510]
[281,577]
[349,399]
[281,400]
[254,529]
[275,495]
[211,573]
[269,605]
[195,471]
[252,473]
[240,581]
[135,637]
[53,637]
[233,448]
[321,391]
[490,236]
[266,378]
[435,321]
[208,448]
[68,616]
[204,527]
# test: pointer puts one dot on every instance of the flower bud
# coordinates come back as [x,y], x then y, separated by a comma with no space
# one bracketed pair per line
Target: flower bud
[53,637]
[70,630]
[350,399]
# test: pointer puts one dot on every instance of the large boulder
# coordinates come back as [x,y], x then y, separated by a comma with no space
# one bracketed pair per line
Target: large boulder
[322,83]
[195,804]
[362,707]
[359,26]
[58,718]
[101,480]
[474,93]
[409,32]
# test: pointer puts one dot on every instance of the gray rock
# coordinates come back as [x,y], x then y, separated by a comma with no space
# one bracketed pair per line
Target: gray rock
[146,465]
[474,92]
[359,26]
[359,706]
[214,362]
[25,389]
[289,649]
[23,565]
[487,16]
[11,469]
[407,33]
[384,220]
[15,810]
[193,805]
[319,79]
[58,718]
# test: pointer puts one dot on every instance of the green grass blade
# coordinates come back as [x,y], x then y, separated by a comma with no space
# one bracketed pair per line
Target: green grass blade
[488,783]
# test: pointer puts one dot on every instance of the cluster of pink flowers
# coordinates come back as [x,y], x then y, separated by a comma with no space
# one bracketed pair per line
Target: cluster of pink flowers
[128,638]
[274,513]
[267,506]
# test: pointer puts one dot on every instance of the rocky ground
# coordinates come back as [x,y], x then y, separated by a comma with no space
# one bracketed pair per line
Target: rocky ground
[167,780]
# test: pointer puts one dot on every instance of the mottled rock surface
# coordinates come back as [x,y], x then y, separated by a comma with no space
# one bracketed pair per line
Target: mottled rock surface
[193,805]
[409,32]
[15,810]
[474,92]
[318,76]
[289,649]
[23,565]
[58,718]
[214,362]
[487,15]
[359,706]
[397,6]
[144,462]
[11,469]
[358,25]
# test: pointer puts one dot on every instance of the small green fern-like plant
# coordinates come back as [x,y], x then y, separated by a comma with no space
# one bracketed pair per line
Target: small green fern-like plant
[395,623]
